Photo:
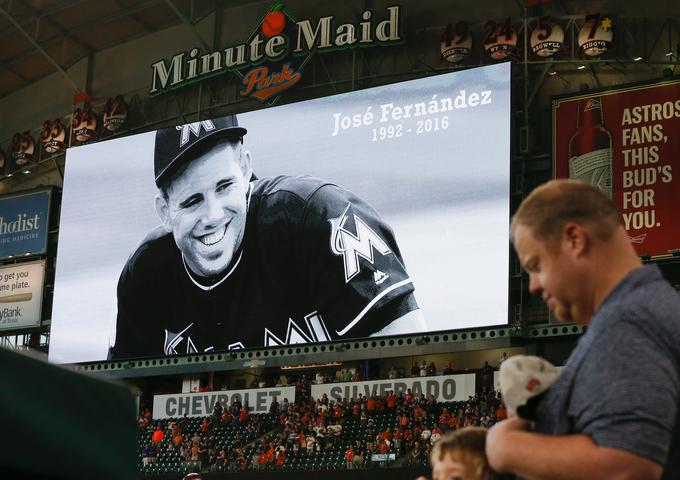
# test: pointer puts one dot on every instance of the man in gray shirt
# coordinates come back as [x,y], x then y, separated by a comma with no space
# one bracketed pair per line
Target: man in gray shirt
[614,410]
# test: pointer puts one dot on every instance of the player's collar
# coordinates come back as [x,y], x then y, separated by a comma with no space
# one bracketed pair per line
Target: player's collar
[218,282]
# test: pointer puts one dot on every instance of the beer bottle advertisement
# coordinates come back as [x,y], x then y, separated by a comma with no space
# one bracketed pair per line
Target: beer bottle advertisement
[590,148]
[624,141]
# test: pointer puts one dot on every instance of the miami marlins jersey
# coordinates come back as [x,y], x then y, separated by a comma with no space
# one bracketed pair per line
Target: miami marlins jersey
[316,264]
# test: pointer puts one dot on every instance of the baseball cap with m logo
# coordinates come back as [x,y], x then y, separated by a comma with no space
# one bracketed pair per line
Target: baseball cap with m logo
[177,145]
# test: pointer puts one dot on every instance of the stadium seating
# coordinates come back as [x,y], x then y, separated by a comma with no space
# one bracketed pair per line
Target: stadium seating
[167,457]
[263,436]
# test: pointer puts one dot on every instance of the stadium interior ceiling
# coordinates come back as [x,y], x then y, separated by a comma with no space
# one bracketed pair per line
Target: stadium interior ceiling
[53,49]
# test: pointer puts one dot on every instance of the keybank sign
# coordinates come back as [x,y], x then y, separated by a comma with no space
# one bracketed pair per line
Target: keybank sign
[271,59]
[23,224]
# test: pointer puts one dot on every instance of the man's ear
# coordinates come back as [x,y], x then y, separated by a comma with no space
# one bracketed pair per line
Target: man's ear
[246,165]
[577,238]
[163,212]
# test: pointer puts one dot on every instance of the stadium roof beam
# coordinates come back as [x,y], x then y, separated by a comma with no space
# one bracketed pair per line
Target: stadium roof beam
[37,46]
[538,83]
[81,28]
[60,28]
[4,67]
[147,28]
[39,14]
[593,75]
[188,23]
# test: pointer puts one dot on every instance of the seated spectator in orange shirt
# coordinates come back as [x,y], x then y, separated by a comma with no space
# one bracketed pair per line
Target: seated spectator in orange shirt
[383,447]
[391,401]
[371,405]
[408,436]
[157,437]
[501,412]
[243,416]
[349,457]
[444,419]
[380,405]
[397,437]
[453,422]
[226,416]
[403,421]
[388,435]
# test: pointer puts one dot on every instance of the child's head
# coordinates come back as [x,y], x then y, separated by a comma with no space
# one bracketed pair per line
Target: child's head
[459,455]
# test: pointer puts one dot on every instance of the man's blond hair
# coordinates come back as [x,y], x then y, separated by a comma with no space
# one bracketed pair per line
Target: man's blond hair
[552,205]
[466,446]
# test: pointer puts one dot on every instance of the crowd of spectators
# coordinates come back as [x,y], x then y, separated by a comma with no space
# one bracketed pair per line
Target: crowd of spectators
[404,426]
[198,442]
[401,426]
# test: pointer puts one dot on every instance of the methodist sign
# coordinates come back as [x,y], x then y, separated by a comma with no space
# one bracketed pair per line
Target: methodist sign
[271,59]
[23,223]
[444,388]
[202,404]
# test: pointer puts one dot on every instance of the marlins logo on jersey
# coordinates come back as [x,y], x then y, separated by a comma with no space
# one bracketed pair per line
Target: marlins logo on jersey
[351,246]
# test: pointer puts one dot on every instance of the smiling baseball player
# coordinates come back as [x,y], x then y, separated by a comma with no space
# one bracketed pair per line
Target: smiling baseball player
[240,262]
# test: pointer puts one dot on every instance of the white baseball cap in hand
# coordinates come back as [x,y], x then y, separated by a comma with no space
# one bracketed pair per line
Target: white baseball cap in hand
[523,380]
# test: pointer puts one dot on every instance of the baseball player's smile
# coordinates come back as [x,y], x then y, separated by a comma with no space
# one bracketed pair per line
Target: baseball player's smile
[213,238]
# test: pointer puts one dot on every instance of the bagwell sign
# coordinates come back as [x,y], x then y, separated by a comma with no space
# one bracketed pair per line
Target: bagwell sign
[271,60]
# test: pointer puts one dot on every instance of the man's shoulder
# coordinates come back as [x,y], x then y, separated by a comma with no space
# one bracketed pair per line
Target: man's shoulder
[302,188]
[153,252]
[644,299]
[294,200]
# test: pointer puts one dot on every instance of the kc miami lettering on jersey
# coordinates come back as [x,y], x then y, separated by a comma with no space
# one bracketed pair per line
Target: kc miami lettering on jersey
[313,330]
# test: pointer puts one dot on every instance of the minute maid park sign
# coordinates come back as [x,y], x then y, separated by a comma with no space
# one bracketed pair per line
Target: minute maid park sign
[271,60]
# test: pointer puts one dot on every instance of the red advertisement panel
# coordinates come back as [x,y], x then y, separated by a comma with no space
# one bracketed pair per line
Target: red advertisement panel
[626,141]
